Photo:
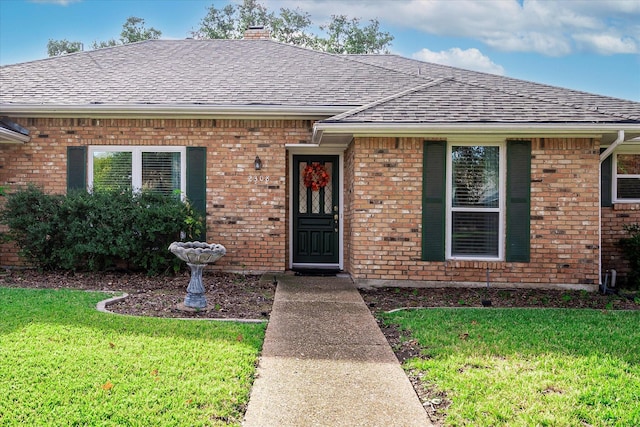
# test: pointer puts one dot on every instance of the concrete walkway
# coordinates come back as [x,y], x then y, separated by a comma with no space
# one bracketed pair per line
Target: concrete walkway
[325,362]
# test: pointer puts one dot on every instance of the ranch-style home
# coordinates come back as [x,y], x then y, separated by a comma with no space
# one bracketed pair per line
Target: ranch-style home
[389,169]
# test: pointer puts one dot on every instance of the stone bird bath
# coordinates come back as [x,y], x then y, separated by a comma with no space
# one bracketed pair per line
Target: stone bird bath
[196,255]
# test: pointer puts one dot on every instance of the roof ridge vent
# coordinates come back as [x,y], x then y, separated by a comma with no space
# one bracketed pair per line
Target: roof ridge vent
[257,32]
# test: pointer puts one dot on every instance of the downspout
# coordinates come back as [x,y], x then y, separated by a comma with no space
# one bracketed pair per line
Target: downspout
[619,140]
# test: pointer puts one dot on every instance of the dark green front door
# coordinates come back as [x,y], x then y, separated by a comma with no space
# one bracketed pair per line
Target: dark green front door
[315,210]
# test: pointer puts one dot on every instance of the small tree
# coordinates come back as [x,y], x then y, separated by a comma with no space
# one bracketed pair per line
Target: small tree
[133,30]
[62,47]
[347,36]
[292,26]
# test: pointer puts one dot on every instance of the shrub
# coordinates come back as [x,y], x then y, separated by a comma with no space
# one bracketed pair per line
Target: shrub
[631,249]
[100,230]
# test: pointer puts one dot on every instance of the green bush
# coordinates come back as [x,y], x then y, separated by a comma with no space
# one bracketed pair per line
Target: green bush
[100,230]
[631,249]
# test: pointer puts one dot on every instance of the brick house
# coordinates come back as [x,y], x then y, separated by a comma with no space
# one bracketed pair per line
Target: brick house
[386,168]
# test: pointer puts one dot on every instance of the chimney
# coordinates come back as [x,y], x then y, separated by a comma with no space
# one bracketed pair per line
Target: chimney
[257,32]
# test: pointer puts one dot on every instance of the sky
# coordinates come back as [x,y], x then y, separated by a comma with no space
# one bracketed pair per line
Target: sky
[588,45]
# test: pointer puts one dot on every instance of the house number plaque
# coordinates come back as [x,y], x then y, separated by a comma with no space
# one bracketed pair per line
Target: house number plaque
[259,178]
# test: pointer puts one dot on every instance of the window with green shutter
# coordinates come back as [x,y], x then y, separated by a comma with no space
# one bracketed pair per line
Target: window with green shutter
[167,170]
[476,201]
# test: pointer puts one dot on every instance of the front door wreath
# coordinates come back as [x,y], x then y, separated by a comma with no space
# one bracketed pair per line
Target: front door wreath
[315,176]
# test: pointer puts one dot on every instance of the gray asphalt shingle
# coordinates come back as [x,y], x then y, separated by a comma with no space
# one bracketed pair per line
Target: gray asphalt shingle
[451,101]
[370,88]
[557,100]
[209,72]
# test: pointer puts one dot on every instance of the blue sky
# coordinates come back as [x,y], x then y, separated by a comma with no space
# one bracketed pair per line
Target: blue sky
[589,45]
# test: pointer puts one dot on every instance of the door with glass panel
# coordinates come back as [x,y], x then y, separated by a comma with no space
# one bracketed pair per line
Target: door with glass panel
[315,210]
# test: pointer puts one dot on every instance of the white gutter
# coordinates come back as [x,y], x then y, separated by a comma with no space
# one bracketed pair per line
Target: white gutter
[171,110]
[606,153]
[7,135]
[381,129]
[619,140]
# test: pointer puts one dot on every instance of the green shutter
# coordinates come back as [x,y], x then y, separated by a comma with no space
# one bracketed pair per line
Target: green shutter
[76,168]
[518,201]
[606,173]
[433,200]
[197,182]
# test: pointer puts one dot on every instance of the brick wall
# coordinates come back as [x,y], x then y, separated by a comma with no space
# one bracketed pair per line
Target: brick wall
[384,222]
[383,197]
[247,217]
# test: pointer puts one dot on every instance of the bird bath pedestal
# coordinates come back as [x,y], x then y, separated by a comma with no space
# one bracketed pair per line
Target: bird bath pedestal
[196,255]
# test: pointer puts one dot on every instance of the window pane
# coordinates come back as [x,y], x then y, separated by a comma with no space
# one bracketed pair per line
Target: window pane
[628,164]
[628,188]
[476,176]
[328,190]
[302,189]
[161,172]
[111,170]
[475,233]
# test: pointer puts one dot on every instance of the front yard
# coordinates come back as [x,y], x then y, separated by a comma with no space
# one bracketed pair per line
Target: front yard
[64,363]
[525,367]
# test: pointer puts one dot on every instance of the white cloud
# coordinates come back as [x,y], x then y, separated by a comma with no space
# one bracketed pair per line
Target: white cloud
[553,28]
[606,44]
[470,59]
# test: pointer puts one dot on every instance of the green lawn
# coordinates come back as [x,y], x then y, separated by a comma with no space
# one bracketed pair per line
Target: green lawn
[530,367]
[64,363]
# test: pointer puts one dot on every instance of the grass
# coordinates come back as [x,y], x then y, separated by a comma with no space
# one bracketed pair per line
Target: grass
[527,367]
[64,363]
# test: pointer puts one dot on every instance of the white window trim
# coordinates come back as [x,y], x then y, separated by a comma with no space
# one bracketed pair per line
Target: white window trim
[136,162]
[629,149]
[501,209]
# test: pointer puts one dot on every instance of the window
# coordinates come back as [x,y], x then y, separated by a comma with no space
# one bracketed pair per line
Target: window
[474,202]
[626,182]
[161,169]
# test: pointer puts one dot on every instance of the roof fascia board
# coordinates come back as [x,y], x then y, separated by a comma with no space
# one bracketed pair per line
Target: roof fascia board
[373,129]
[172,111]
[10,136]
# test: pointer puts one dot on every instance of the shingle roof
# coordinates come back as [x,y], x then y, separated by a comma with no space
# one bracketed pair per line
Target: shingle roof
[449,100]
[212,72]
[263,73]
[498,96]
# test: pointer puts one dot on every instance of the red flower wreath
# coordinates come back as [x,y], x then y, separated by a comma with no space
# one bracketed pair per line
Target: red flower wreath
[315,176]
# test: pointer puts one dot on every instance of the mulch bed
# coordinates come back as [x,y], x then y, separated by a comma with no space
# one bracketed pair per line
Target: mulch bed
[232,296]
[386,299]
[250,297]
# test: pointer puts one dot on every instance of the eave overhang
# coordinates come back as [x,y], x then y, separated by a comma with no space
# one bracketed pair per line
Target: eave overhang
[11,137]
[315,112]
[12,133]
[325,131]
